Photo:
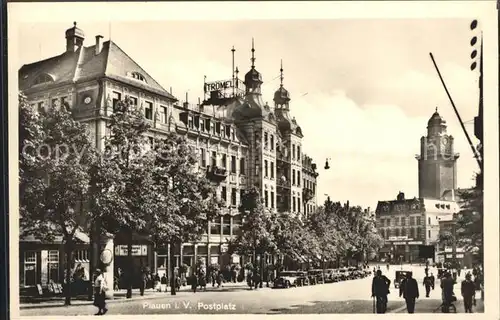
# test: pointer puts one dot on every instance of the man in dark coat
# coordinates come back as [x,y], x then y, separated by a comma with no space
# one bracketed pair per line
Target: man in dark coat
[468,292]
[447,284]
[427,285]
[380,290]
[409,291]
[433,280]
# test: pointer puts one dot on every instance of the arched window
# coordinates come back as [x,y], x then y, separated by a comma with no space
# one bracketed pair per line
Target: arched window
[138,76]
[43,78]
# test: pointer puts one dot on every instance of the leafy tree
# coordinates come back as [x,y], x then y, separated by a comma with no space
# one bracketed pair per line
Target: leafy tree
[185,199]
[124,187]
[56,154]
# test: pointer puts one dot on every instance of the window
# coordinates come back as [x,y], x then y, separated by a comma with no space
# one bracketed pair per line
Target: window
[116,98]
[233,197]
[265,169]
[429,221]
[298,205]
[202,125]
[138,76]
[298,153]
[223,194]
[412,233]
[293,152]
[272,200]
[133,100]
[266,142]
[148,110]
[203,160]
[397,221]
[241,194]
[418,221]
[266,199]
[412,221]
[272,142]
[163,114]
[403,221]
[212,127]
[30,268]
[226,225]
[81,256]
[55,103]
[428,233]
[236,223]
[233,164]
[403,232]
[293,176]
[223,161]
[306,184]
[397,232]
[39,107]
[222,130]
[53,265]
[298,178]
[190,122]
[215,227]
[64,101]
[272,170]
[242,166]
[293,204]
[214,159]
[419,233]
[43,79]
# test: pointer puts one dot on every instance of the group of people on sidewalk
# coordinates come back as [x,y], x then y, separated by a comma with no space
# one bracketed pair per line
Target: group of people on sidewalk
[408,289]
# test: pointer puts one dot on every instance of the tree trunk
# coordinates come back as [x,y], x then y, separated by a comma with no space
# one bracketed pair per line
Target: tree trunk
[261,270]
[172,268]
[131,275]
[69,259]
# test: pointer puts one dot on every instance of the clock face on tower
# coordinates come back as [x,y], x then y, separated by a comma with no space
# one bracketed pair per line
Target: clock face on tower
[445,145]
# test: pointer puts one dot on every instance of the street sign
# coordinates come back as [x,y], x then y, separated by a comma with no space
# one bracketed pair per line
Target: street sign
[137,250]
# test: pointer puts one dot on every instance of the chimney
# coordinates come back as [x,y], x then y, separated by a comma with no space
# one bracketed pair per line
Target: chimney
[98,44]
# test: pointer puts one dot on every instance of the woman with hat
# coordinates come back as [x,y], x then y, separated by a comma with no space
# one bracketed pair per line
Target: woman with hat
[100,292]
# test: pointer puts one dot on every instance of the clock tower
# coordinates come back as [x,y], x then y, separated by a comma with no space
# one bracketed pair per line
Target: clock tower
[437,162]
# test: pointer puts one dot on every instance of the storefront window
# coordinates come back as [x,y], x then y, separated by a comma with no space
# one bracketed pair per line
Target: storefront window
[30,267]
[53,265]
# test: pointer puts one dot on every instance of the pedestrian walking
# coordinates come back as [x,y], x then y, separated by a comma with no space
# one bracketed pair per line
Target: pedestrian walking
[428,285]
[448,296]
[468,292]
[157,282]
[409,291]
[100,287]
[380,290]
[194,282]
[163,282]
[433,280]
[219,279]
[143,281]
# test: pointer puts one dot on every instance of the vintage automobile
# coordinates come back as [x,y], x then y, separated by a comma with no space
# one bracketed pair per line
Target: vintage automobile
[302,278]
[333,275]
[400,275]
[287,279]
[352,273]
[316,276]
[344,274]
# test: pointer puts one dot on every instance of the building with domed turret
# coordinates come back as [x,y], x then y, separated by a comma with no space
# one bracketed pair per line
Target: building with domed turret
[241,142]
[407,224]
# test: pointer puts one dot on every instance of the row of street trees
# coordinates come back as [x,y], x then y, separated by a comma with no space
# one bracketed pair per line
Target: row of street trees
[132,186]
[333,233]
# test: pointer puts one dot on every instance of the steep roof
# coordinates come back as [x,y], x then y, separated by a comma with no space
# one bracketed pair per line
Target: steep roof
[84,64]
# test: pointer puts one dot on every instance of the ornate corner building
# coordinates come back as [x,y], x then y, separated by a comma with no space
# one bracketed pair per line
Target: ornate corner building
[240,140]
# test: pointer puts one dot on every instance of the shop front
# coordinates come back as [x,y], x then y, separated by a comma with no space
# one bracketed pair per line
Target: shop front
[403,250]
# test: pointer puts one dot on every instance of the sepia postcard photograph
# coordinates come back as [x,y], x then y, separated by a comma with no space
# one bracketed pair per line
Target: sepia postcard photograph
[263,158]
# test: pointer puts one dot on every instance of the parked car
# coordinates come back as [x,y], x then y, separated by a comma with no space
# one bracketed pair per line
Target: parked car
[344,274]
[336,275]
[400,275]
[286,279]
[303,278]
[351,273]
[316,276]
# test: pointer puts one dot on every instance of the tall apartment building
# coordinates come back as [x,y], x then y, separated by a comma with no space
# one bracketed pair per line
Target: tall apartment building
[241,141]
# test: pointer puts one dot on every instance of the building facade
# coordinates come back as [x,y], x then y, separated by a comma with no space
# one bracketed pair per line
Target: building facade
[241,141]
[406,224]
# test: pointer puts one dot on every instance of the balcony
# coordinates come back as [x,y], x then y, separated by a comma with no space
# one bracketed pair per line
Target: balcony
[307,194]
[216,173]
[283,183]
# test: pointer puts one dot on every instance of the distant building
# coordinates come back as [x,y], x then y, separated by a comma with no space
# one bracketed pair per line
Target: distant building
[241,141]
[405,224]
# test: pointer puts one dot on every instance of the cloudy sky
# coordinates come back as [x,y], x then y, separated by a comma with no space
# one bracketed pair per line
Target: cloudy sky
[362,89]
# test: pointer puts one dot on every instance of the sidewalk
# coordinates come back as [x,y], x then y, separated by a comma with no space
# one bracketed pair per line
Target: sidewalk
[426,305]
[120,296]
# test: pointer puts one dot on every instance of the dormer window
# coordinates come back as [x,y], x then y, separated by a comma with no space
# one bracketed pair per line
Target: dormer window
[138,76]
[43,78]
